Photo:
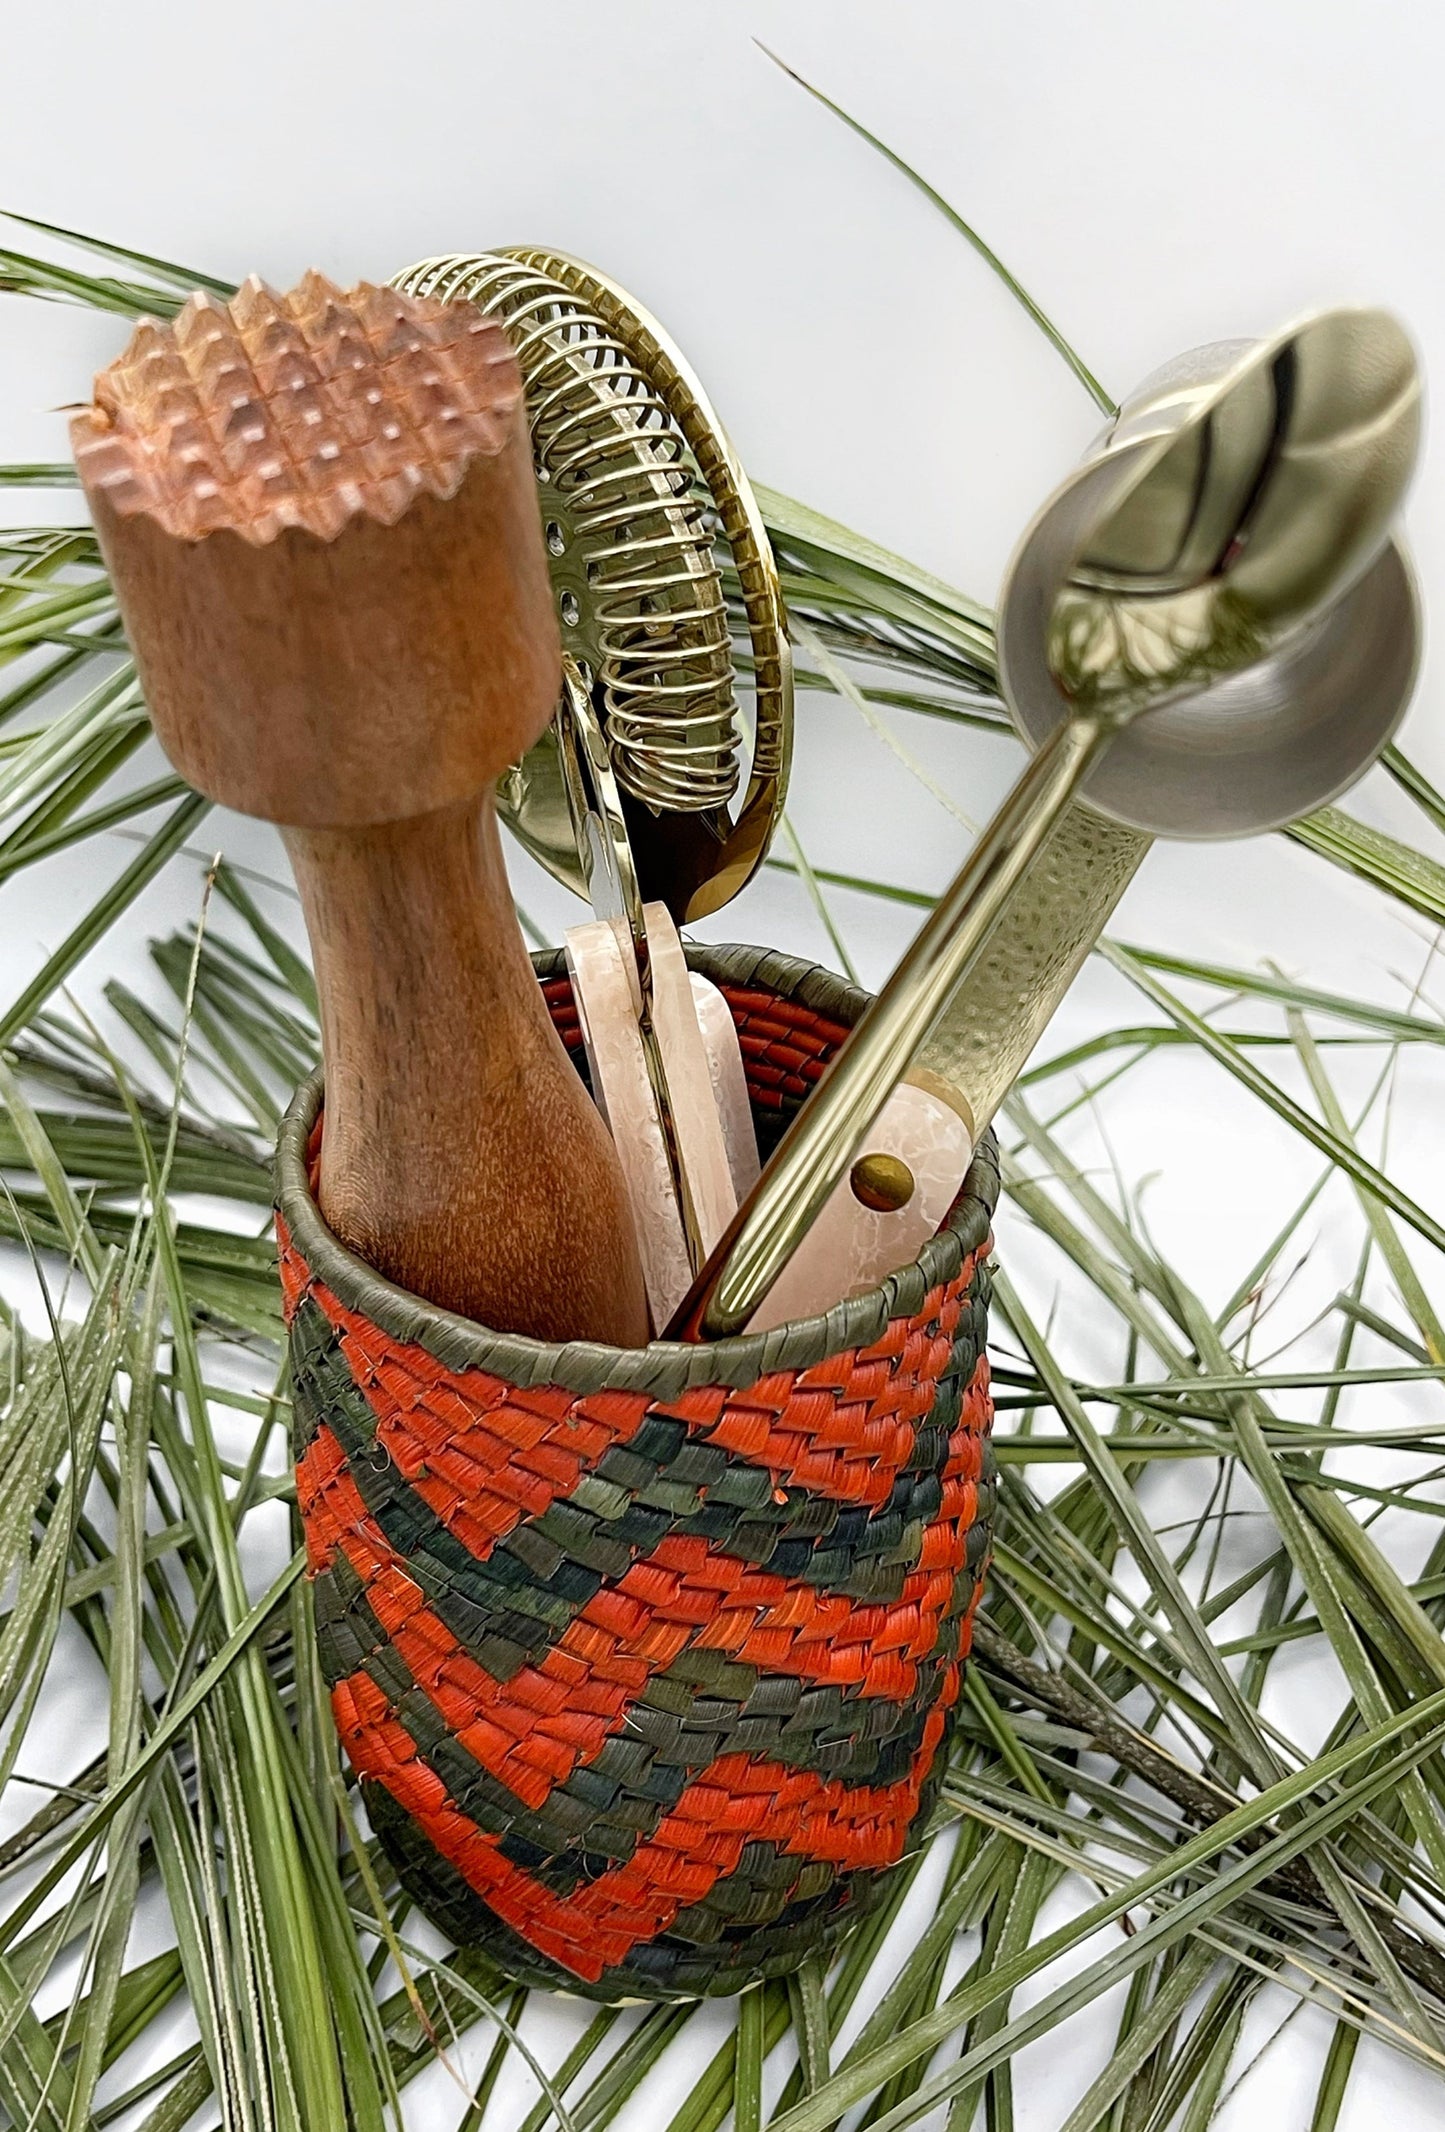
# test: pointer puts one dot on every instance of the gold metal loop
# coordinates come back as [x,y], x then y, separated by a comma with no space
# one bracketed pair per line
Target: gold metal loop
[638,488]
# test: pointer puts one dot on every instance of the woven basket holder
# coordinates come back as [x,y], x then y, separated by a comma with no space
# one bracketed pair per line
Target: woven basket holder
[647,1658]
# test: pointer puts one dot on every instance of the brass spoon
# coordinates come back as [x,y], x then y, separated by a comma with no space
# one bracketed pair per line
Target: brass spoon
[1158,661]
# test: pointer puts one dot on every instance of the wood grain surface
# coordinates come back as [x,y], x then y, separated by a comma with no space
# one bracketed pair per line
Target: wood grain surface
[321,520]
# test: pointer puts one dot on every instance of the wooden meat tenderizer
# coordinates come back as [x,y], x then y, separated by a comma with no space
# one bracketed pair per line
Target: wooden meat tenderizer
[320,517]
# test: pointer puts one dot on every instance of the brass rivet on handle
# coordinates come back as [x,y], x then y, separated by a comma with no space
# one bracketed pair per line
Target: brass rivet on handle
[883,1182]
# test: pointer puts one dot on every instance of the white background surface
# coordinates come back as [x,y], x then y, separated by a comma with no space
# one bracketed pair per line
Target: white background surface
[1157,175]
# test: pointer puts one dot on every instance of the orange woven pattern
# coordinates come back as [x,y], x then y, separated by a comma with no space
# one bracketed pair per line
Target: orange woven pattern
[647,1693]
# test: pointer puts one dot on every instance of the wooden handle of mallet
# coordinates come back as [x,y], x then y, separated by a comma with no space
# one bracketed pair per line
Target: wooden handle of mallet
[320,517]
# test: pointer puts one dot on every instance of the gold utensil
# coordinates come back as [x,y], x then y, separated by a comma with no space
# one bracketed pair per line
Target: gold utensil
[1210,627]
[626,796]
[642,498]
[1366,649]
[640,1017]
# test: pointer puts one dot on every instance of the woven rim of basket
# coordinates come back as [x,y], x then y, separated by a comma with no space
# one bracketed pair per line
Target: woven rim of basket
[664,1368]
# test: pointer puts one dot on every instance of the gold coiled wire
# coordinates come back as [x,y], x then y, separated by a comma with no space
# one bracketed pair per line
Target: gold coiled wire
[629,530]
[638,490]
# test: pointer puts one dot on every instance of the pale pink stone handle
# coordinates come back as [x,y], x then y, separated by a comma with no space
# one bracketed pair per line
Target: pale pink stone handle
[602,988]
[696,1120]
[702,1064]
[730,1084]
[851,1248]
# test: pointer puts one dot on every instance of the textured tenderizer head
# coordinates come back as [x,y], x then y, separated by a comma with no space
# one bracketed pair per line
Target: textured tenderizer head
[319,512]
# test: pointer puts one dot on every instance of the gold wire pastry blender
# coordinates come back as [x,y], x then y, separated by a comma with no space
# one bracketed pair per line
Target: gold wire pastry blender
[638,488]
[628,797]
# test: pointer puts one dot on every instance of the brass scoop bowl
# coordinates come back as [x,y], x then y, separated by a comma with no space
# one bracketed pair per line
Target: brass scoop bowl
[1225,565]
[1207,631]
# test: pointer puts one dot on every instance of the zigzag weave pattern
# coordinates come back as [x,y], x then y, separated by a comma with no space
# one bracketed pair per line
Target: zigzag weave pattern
[647,1692]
